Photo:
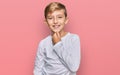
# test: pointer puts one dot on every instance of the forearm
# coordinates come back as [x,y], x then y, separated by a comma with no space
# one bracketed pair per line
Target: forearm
[39,61]
[70,56]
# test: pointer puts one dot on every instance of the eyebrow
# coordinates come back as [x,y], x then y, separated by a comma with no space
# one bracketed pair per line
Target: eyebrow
[57,15]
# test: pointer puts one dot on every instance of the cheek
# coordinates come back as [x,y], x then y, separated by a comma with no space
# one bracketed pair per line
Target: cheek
[63,21]
[51,27]
[49,23]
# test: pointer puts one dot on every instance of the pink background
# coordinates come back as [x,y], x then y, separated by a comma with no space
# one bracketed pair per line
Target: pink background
[97,22]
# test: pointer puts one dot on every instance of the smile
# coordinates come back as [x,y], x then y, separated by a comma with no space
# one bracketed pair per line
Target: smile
[56,26]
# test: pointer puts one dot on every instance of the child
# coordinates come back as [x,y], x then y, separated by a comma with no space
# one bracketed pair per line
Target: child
[59,53]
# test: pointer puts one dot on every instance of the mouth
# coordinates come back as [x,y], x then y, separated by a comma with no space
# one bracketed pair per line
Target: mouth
[56,26]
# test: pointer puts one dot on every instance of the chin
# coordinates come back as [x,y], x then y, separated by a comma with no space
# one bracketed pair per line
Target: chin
[56,30]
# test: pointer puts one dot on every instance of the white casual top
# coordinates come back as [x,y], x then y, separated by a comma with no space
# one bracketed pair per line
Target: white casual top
[63,58]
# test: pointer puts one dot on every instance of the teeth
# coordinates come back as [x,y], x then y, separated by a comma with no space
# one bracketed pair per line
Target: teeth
[56,26]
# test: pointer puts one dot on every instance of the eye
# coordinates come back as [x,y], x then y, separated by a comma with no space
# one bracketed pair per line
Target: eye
[59,17]
[49,18]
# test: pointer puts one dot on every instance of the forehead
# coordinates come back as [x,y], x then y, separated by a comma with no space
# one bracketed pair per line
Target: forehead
[56,12]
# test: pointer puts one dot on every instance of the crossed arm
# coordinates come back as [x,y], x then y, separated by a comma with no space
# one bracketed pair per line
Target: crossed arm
[67,51]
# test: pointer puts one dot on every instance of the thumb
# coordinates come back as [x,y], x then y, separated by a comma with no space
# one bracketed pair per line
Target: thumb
[58,34]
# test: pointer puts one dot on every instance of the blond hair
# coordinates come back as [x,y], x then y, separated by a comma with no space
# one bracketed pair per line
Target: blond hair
[53,7]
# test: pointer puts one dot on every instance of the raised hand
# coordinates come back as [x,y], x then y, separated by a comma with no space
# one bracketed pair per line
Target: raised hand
[56,37]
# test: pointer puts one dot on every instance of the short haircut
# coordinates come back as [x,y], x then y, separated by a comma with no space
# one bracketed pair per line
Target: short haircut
[53,7]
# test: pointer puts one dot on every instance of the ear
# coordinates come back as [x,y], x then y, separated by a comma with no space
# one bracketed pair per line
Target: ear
[45,21]
[66,21]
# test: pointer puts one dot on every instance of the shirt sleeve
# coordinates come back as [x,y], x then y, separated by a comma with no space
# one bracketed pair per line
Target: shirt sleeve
[39,61]
[69,52]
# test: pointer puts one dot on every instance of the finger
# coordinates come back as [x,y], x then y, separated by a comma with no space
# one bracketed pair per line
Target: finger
[54,35]
[58,34]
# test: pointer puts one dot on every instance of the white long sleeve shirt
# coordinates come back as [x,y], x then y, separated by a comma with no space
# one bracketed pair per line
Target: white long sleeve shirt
[63,58]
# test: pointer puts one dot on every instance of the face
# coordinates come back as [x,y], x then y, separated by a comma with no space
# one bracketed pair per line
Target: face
[56,20]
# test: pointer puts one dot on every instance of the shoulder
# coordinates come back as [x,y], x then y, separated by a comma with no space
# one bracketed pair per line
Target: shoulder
[44,41]
[71,39]
[74,36]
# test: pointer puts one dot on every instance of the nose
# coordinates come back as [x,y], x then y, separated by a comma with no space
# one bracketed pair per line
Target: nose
[55,21]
